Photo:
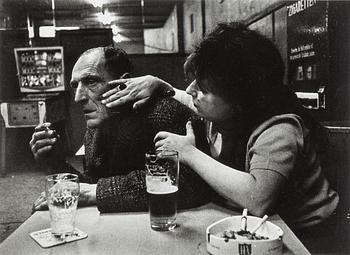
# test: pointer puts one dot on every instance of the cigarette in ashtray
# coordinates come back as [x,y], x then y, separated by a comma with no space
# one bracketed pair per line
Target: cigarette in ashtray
[259,225]
[244,219]
[243,233]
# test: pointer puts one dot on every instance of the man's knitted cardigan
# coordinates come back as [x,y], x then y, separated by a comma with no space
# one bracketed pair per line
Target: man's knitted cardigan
[114,156]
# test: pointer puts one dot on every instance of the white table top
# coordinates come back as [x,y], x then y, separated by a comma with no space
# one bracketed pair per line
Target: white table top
[130,233]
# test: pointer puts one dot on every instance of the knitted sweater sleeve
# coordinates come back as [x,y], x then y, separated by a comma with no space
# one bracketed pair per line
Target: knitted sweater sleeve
[128,192]
[122,193]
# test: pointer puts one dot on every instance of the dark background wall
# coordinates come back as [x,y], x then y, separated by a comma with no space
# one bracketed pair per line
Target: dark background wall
[10,39]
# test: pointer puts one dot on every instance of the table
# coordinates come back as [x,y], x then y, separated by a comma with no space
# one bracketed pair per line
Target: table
[130,233]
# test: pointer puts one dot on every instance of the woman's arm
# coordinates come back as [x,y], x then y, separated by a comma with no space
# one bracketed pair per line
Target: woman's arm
[257,190]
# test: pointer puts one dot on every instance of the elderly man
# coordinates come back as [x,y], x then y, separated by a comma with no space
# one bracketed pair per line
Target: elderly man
[116,141]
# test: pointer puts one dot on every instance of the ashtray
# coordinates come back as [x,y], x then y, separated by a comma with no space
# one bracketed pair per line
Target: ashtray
[218,242]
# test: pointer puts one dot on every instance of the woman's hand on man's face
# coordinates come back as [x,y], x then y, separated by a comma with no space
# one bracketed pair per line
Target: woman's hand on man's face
[134,90]
[183,144]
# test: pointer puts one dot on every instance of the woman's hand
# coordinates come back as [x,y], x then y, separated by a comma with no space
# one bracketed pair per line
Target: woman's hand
[183,144]
[87,197]
[135,90]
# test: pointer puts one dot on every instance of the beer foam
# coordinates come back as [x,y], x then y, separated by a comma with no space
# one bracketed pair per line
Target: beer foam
[162,189]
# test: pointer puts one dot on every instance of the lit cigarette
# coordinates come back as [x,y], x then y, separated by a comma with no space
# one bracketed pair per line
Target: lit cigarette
[244,219]
[47,128]
[260,224]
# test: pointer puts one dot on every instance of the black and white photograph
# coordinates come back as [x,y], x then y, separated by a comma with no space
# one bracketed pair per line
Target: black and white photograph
[179,127]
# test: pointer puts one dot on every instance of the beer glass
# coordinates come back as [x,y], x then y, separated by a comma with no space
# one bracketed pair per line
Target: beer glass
[162,181]
[62,193]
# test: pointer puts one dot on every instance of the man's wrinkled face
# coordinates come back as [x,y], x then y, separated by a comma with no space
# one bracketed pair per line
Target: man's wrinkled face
[89,79]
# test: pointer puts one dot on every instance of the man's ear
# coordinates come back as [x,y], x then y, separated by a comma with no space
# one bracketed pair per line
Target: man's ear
[125,76]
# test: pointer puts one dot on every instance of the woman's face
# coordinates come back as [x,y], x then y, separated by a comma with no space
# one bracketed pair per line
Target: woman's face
[210,106]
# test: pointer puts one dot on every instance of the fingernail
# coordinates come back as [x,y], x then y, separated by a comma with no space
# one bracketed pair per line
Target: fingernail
[108,105]
[103,101]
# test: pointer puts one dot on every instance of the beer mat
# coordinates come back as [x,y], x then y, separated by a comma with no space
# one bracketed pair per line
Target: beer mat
[46,239]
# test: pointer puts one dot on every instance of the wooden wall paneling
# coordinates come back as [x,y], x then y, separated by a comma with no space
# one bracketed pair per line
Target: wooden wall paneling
[264,26]
[165,38]
[193,23]
[280,35]
[220,11]
[165,66]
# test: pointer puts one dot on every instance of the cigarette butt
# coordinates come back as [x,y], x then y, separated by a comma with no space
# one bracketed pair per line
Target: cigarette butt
[244,219]
[260,224]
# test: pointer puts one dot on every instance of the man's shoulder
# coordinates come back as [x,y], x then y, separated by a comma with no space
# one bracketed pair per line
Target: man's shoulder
[167,112]
[168,105]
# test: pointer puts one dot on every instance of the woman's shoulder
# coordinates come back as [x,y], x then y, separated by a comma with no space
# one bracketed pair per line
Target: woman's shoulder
[280,121]
[287,126]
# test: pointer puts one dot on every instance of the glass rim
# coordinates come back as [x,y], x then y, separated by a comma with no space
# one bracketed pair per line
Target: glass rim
[62,176]
[164,152]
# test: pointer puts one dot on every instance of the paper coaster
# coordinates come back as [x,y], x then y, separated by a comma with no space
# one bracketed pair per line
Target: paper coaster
[46,239]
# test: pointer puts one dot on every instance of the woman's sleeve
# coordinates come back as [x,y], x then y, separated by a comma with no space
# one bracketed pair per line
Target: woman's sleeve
[277,148]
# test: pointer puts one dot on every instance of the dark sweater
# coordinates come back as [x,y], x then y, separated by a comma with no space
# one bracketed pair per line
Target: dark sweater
[114,155]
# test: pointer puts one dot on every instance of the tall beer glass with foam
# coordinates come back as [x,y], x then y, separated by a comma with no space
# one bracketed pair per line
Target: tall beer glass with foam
[162,180]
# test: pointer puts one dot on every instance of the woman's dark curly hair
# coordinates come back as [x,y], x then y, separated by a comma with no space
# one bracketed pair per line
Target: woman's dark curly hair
[245,68]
